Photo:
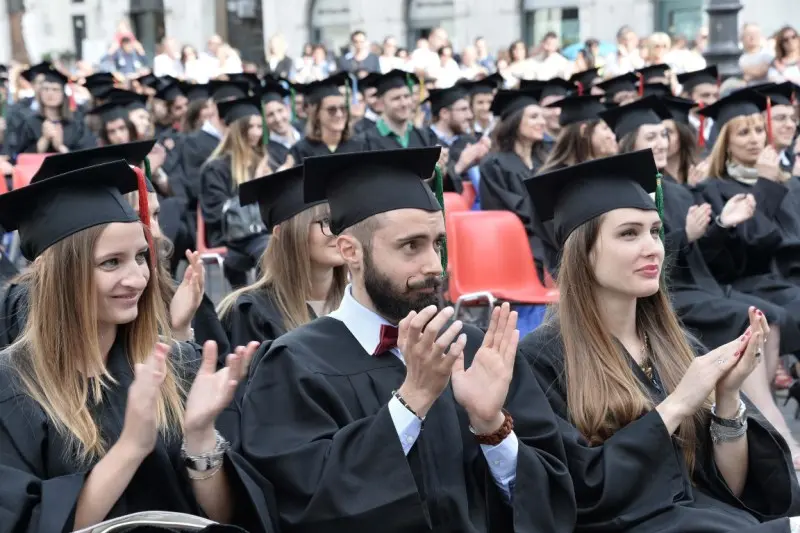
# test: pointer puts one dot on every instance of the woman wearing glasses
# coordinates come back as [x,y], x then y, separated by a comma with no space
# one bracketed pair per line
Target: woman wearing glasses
[328,128]
[303,275]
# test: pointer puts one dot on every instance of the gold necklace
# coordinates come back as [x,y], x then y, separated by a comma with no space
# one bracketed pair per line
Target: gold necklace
[647,364]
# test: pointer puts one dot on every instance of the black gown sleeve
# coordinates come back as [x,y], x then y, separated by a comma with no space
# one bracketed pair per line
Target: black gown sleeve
[30,500]
[253,319]
[207,327]
[216,188]
[13,312]
[80,137]
[331,472]
[29,132]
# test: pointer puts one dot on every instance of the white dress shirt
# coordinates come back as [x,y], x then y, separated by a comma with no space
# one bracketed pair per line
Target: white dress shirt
[365,326]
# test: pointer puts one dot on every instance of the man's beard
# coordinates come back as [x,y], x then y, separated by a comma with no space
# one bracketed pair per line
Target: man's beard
[392,304]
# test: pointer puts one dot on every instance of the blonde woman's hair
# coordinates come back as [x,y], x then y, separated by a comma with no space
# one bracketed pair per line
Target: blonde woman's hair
[57,357]
[603,393]
[286,271]
[244,158]
[719,153]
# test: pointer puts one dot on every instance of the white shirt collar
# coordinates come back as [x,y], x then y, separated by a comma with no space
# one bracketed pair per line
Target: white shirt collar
[364,324]
[211,130]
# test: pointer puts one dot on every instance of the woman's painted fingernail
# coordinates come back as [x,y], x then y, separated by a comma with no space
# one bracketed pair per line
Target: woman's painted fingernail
[759,313]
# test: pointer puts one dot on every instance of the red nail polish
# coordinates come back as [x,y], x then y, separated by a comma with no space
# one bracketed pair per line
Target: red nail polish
[759,313]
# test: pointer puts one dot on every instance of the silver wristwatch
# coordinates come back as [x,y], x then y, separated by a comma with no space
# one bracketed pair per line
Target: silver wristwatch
[208,460]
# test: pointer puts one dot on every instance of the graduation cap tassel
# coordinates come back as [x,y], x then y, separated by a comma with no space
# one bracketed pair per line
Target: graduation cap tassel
[769,121]
[347,95]
[439,190]
[580,88]
[660,203]
[354,96]
[640,90]
[701,130]
[144,205]
[293,103]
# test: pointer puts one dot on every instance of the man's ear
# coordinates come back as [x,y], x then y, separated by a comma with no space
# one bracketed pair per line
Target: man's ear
[350,250]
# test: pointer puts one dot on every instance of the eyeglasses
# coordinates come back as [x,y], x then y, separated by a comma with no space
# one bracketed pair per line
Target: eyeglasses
[332,110]
[325,226]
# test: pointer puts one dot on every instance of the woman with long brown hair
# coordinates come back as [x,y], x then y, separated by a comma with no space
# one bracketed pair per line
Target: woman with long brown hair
[517,151]
[328,129]
[94,419]
[786,65]
[682,154]
[584,136]
[657,438]
[303,274]
[52,127]
[239,158]
[698,247]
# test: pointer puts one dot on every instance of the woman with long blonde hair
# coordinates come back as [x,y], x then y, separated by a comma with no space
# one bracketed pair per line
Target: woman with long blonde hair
[303,274]
[95,422]
[238,158]
[658,438]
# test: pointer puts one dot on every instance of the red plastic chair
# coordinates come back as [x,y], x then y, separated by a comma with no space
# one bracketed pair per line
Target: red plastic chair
[454,202]
[491,260]
[469,194]
[3,185]
[207,254]
[27,165]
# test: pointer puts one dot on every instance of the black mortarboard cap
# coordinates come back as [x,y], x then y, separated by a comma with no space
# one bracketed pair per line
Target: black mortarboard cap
[280,196]
[169,92]
[394,79]
[778,93]
[656,89]
[222,90]
[252,80]
[678,107]
[232,110]
[50,210]
[111,110]
[99,84]
[129,98]
[317,90]
[487,85]
[690,80]
[626,119]
[623,83]
[149,80]
[552,87]
[507,102]
[133,153]
[654,71]
[737,104]
[45,68]
[585,79]
[195,91]
[442,98]
[273,91]
[574,195]
[362,184]
[576,109]
[367,82]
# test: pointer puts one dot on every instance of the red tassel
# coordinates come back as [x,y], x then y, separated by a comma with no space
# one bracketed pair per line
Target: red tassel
[701,133]
[769,121]
[144,211]
[580,88]
[72,105]
[641,83]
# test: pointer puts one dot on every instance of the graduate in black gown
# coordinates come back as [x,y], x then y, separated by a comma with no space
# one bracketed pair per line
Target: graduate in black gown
[239,158]
[450,122]
[327,129]
[742,163]
[372,111]
[550,93]
[620,90]
[53,127]
[584,136]
[646,448]
[702,87]
[481,96]
[516,154]
[94,428]
[349,400]
[695,237]
[303,274]
[282,135]
[586,81]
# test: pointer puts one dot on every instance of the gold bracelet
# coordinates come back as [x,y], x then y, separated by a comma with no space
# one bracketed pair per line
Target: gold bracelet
[201,477]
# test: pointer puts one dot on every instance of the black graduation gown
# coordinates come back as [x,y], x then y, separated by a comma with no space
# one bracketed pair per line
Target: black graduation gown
[196,148]
[759,240]
[307,148]
[330,447]
[15,116]
[41,484]
[716,314]
[502,189]
[277,154]
[255,317]
[13,312]
[638,482]
[363,125]
[453,181]
[76,135]
[216,188]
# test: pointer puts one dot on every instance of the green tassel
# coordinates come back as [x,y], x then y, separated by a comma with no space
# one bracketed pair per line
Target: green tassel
[410,82]
[660,202]
[293,103]
[264,130]
[147,172]
[347,92]
[439,191]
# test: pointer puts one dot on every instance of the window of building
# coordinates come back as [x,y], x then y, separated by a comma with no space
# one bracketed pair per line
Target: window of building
[563,21]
